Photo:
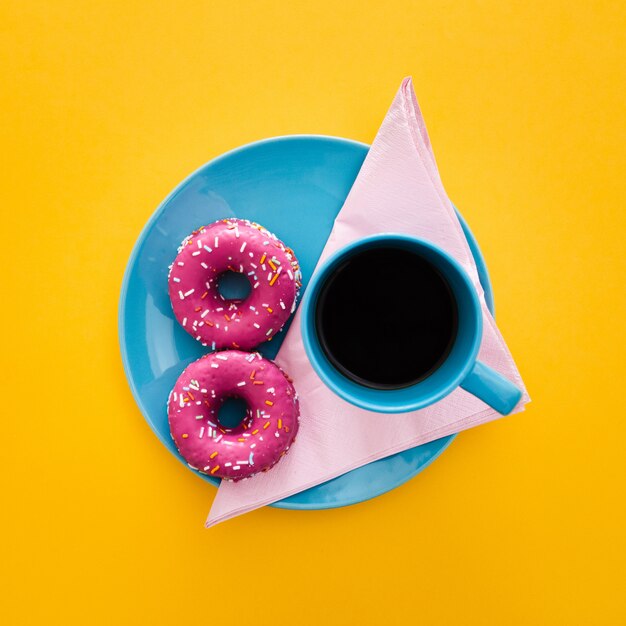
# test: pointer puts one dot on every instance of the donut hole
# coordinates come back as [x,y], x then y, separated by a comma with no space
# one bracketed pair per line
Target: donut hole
[232,412]
[233,286]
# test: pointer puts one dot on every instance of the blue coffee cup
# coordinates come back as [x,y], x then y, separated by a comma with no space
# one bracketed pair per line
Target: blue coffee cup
[459,368]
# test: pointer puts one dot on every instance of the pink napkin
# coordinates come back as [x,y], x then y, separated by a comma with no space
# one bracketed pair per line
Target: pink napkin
[397,190]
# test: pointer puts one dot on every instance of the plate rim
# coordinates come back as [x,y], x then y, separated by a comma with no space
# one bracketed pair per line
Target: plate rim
[146,229]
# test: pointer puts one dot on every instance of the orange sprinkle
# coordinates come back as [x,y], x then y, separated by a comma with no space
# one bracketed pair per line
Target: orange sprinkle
[270,309]
[226,317]
[273,279]
[266,425]
[190,395]
[257,382]
[241,439]
[204,295]
[255,431]
[263,258]
[272,265]
[209,323]
[235,345]
[185,435]
[213,455]
[286,429]
[222,430]
[185,399]
[215,469]
[252,374]
[280,423]
[207,403]
[198,308]
[268,402]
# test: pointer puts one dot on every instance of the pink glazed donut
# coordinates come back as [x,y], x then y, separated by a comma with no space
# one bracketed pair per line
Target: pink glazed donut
[259,441]
[249,249]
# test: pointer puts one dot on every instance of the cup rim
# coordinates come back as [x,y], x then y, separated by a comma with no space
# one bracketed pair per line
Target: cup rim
[379,400]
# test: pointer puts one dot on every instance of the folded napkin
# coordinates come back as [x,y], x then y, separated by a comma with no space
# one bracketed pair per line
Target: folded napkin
[397,190]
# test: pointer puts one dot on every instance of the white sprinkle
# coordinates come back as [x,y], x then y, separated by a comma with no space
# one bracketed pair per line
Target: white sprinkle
[265,305]
[276,434]
[282,304]
[210,433]
[176,280]
[253,265]
[251,458]
[255,285]
[227,464]
[215,365]
[196,253]
[204,265]
[212,424]
[180,293]
[217,325]
[252,308]
[201,433]
[251,254]
[218,439]
[269,332]
[271,390]
[290,274]
[256,325]
[208,249]
[266,243]
[243,246]
[180,264]
[216,242]
[251,273]
[243,463]
[221,357]
[253,445]
[269,276]
[227,443]
[204,313]
[236,467]
[188,293]
[221,308]
[206,467]
[184,321]
[200,243]
[198,337]
[241,384]
[182,404]
[212,345]
[263,267]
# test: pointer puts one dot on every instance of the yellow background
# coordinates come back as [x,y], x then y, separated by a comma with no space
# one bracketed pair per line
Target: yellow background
[107,105]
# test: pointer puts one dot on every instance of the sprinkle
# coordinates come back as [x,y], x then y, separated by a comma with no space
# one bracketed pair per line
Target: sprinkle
[190,395]
[262,259]
[227,464]
[221,357]
[243,246]
[215,365]
[256,325]
[198,308]
[255,431]
[218,438]
[180,293]
[282,304]
[180,264]
[211,324]
[236,232]
[176,280]
[272,265]
[269,403]
[243,463]
[216,242]
[188,293]
[204,295]
[269,332]
[266,425]
[196,253]
[185,435]
[228,443]
[280,423]
[240,439]
[204,313]
[241,384]
[269,276]
[235,344]
[184,321]
[204,265]
[201,433]
[252,445]
[199,417]
[226,317]
[257,382]
[213,455]
[215,469]
[270,309]
[276,434]
[236,467]
[208,249]
[290,274]
[255,285]
[250,458]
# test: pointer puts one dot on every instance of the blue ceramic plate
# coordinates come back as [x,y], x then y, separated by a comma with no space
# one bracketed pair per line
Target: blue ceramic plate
[295,187]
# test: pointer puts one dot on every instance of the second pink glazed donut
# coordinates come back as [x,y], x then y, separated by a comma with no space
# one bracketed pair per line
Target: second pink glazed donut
[244,247]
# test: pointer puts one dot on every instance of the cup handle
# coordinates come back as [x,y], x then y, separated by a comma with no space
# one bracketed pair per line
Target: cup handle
[492,388]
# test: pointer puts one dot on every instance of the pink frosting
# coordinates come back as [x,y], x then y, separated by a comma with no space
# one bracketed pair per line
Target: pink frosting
[244,247]
[265,434]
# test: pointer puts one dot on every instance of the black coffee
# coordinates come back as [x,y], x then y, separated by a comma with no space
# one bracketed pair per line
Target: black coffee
[386,318]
